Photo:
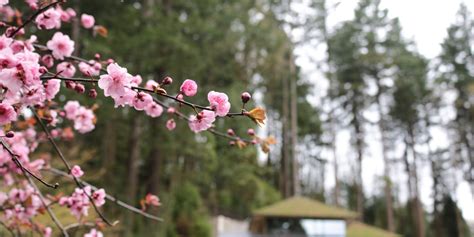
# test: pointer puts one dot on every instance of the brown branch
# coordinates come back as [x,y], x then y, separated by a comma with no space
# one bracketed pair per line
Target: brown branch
[108,196]
[211,130]
[67,165]
[23,168]
[38,192]
[76,225]
[194,106]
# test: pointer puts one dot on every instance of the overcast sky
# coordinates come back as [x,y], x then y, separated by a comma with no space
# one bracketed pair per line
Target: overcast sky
[424,21]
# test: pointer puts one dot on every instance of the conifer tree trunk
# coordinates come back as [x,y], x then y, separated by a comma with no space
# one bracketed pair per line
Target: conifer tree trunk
[388,182]
[285,151]
[294,127]
[418,208]
[360,152]
[133,164]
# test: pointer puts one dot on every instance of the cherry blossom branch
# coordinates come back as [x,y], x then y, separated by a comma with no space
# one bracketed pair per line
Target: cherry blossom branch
[108,196]
[38,192]
[67,165]
[23,168]
[33,17]
[92,80]
[211,130]
[179,114]
[76,225]
[48,209]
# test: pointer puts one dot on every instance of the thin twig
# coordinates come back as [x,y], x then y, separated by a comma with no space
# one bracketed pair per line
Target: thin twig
[211,130]
[67,165]
[40,195]
[76,225]
[108,196]
[194,106]
[33,17]
[23,168]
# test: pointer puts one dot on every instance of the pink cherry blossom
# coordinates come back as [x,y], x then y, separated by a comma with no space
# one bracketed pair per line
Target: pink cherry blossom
[66,15]
[7,58]
[219,103]
[3,2]
[125,99]
[87,21]
[136,80]
[171,110]
[66,69]
[47,232]
[9,78]
[84,120]
[170,124]
[76,171]
[71,108]
[151,85]
[61,46]
[49,19]
[47,60]
[189,88]
[32,3]
[141,100]
[71,12]
[115,82]
[90,69]
[7,113]
[99,197]
[152,200]
[52,88]
[202,121]
[94,233]
[5,42]
[153,110]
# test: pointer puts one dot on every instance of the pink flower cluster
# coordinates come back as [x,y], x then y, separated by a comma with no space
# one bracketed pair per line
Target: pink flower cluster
[82,117]
[53,17]
[220,106]
[79,202]
[22,144]
[94,233]
[18,200]
[118,84]
[19,205]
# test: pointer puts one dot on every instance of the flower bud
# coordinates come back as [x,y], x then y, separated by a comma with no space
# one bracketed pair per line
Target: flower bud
[167,81]
[171,110]
[92,93]
[251,132]
[245,96]
[97,56]
[230,132]
[47,60]
[10,134]
[43,70]
[70,84]
[80,88]
[200,115]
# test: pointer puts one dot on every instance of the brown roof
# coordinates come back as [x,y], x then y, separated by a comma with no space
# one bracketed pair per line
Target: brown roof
[304,207]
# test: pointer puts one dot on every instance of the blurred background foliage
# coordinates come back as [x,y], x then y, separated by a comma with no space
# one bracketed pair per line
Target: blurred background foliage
[245,45]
